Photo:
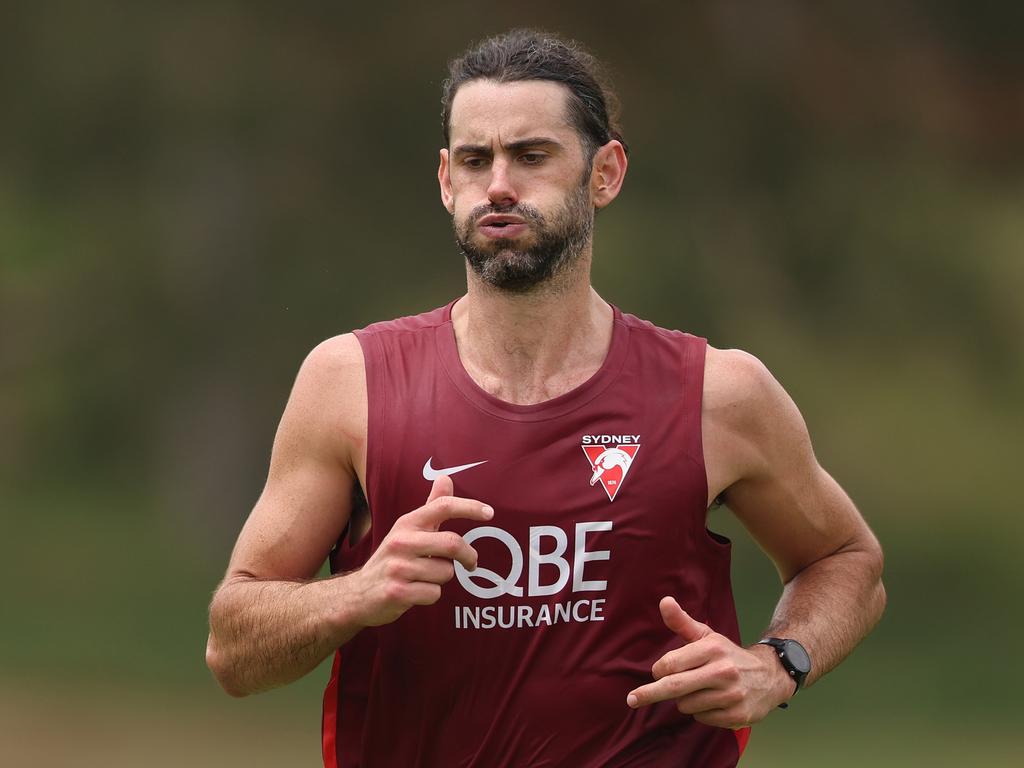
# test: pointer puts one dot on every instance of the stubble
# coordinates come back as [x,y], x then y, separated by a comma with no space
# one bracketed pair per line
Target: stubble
[558,242]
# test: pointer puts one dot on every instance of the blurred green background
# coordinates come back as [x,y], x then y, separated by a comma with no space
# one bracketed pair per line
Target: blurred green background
[193,194]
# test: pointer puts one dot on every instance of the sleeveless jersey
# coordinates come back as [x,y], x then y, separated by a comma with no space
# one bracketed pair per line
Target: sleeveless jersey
[600,498]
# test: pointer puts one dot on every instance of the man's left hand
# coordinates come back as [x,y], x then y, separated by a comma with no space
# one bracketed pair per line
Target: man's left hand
[712,678]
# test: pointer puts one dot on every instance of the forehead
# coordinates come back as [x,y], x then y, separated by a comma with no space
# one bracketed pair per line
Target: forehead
[484,111]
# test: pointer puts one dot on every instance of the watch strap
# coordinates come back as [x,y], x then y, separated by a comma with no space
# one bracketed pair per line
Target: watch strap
[797,670]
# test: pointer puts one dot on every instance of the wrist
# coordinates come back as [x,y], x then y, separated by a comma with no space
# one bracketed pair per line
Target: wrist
[780,685]
[346,607]
[793,659]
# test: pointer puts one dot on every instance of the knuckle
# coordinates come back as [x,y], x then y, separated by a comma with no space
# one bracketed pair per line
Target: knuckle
[688,705]
[677,685]
[666,687]
[663,667]
[394,570]
[726,671]
[394,592]
[732,697]
[433,594]
[711,717]
[395,544]
[452,543]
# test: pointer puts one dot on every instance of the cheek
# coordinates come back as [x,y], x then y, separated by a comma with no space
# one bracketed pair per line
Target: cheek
[464,183]
[461,215]
[463,198]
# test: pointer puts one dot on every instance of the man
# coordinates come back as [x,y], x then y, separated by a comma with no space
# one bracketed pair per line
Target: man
[567,606]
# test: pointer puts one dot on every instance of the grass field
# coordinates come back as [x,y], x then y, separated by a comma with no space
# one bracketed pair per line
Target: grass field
[104,727]
[103,671]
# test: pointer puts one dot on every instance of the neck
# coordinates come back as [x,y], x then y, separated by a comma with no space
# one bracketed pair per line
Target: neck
[531,347]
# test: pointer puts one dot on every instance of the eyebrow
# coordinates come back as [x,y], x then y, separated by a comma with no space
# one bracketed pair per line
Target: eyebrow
[512,146]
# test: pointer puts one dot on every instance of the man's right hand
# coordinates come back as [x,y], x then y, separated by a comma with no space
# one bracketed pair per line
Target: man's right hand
[415,558]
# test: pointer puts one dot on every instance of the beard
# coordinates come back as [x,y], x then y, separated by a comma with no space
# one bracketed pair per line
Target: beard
[557,243]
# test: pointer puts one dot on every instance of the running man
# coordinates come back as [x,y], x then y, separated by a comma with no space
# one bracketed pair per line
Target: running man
[513,489]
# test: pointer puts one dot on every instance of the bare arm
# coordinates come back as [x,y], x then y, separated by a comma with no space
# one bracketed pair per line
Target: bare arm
[270,622]
[827,557]
[759,456]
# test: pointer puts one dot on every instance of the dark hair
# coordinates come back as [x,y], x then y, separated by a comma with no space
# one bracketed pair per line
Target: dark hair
[527,54]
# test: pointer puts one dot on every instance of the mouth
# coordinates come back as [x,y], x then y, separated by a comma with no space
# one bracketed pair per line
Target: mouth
[496,225]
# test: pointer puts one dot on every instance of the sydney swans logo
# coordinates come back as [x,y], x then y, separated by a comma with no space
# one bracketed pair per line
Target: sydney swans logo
[610,458]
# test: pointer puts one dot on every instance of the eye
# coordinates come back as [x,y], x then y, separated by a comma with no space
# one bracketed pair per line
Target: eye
[533,158]
[475,162]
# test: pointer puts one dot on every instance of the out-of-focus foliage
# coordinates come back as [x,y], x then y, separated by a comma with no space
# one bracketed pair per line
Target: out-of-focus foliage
[192,195]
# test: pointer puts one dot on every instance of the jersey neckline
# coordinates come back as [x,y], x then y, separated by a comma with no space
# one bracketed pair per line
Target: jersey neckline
[448,353]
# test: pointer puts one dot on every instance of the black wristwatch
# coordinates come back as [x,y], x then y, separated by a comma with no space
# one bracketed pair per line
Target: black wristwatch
[793,657]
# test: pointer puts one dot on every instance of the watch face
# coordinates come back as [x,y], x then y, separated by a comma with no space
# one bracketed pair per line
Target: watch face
[797,656]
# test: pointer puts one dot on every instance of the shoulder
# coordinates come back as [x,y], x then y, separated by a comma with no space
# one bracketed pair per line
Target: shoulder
[740,386]
[747,413]
[338,356]
[332,367]
[328,400]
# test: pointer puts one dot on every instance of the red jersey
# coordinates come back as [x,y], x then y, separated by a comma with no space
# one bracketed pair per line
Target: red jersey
[600,497]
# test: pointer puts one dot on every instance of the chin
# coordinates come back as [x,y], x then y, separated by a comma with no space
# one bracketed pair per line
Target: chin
[510,248]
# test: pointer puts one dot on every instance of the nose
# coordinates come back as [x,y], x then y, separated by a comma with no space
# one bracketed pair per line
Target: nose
[500,190]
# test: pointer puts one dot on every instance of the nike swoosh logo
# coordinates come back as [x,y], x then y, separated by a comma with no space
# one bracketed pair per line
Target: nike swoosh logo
[430,474]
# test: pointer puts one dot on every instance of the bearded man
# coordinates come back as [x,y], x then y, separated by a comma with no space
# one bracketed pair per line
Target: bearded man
[568,606]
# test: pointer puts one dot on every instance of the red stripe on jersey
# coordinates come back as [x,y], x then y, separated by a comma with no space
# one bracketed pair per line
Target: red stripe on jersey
[330,717]
[742,737]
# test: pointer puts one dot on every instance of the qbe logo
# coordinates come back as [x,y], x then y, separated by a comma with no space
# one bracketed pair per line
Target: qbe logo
[549,570]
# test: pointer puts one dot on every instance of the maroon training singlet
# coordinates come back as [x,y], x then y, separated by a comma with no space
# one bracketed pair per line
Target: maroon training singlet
[600,498]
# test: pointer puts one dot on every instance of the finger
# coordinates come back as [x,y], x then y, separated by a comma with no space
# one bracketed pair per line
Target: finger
[436,570]
[443,486]
[707,700]
[680,622]
[731,717]
[424,544]
[670,687]
[449,545]
[690,656]
[423,593]
[430,516]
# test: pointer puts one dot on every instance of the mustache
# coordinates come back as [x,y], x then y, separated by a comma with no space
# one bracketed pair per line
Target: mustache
[527,212]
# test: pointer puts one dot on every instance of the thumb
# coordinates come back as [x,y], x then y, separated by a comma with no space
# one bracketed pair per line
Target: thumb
[443,486]
[680,622]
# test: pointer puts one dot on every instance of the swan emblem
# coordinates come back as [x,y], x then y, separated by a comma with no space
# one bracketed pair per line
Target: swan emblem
[612,457]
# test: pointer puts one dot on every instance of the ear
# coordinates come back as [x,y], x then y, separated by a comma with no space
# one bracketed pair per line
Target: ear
[444,179]
[609,172]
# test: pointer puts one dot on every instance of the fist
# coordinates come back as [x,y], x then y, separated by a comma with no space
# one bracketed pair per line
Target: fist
[416,558]
[711,678]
